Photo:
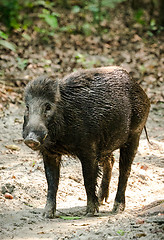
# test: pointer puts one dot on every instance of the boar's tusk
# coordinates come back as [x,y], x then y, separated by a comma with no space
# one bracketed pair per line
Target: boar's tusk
[45,137]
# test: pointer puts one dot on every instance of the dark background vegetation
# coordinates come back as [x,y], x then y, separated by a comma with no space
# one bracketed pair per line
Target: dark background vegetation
[59,36]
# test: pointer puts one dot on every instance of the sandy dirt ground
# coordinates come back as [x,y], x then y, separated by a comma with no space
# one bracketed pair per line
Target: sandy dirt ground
[22,176]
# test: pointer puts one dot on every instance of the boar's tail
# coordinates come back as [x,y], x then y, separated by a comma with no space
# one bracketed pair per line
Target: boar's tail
[147,137]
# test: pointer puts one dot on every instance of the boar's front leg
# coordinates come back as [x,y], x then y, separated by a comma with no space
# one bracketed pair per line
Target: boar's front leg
[90,173]
[52,171]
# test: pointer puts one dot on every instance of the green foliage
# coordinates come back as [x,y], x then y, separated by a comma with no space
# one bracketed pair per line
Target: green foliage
[70,28]
[86,29]
[121,232]
[98,10]
[50,18]
[19,14]
[5,43]
[94,6]
[153,25]
[3,35]
[87,61]
[142,69]
[43,3]
[22,63]
[101,7]
[139,16]
[80,58]
[33,164]
[26,36]
[76,9]
[9,14]
[8,45]
[14,14]
[154,28]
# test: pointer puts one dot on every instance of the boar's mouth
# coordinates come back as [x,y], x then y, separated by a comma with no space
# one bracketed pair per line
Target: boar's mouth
[33,141]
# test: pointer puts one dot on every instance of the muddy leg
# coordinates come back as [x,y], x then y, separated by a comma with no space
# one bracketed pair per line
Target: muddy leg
[108,162]
[127,154]
[52,171]
[90,173]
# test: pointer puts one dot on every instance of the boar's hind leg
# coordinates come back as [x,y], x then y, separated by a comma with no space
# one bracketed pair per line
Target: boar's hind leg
[90,172]
[127,154]
[107,163]
[52,171]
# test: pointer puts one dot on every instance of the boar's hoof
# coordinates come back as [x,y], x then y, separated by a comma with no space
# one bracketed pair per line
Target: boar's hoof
[118,207]
[92,208]
[49,212]
[101,201]
[101,198]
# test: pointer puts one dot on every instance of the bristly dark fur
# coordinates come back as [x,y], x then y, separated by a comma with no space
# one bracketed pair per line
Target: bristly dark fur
[42,87]
[90,114]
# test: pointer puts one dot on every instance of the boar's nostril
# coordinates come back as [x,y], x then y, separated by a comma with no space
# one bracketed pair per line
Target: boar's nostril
[32,143]
[32,140]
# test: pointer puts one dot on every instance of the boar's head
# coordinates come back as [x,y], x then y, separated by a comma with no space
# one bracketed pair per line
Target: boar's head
[41,97]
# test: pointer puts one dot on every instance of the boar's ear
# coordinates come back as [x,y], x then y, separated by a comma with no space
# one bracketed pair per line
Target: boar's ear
[57,95]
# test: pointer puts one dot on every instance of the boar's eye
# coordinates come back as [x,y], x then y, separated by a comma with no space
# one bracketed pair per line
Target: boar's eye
[47,107]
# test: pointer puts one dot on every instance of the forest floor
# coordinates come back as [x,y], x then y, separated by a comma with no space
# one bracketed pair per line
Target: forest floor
[22,175]
[21,169]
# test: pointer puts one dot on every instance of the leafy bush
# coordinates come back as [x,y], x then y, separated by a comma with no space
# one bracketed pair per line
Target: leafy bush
[100,9]
[5,43]
[50,18]
[9,14]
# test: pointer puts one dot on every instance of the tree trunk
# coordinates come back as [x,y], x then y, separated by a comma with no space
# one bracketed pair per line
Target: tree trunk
[161,13]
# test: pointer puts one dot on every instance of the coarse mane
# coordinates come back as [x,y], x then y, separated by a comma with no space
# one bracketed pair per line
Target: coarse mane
[44,87]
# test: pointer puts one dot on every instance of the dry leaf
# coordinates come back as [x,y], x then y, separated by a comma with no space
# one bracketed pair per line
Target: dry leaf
[13,147]
[8,196]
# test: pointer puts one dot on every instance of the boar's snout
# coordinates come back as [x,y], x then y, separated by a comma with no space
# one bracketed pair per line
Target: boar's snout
[34,140]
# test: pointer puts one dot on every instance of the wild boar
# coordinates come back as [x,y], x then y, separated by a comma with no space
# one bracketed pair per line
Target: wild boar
[87,114]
